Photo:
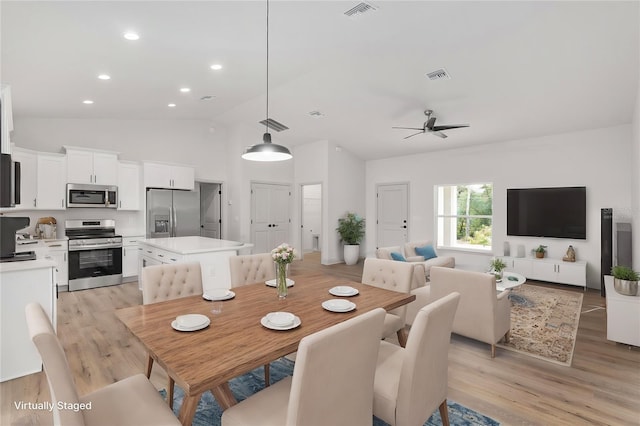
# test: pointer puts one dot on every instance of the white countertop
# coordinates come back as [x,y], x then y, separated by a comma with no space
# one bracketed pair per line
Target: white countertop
[26,265]
[191,245]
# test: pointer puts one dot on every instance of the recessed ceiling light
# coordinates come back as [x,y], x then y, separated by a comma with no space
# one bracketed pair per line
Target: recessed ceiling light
[216,67]
[87,102]
[131,36]
[104,77]
[171,105]
[185,89]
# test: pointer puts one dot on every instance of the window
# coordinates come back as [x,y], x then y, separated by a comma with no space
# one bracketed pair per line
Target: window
[464,216]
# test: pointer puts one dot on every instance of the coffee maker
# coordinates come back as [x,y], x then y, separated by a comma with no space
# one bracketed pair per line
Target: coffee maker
[8,228]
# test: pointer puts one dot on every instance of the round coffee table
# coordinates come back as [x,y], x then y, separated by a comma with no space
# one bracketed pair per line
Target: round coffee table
[510,280]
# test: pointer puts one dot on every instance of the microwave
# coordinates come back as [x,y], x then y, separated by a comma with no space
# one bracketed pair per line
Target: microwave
[79,195]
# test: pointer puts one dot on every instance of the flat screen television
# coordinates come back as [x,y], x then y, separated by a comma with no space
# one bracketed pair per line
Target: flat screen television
[558,212]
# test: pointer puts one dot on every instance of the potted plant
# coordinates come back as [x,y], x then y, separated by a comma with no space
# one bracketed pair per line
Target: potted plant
[540,251]
[625,280]
[497,266]
[351,230]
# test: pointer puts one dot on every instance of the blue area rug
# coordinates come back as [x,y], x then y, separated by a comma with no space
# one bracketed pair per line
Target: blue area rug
[208,412]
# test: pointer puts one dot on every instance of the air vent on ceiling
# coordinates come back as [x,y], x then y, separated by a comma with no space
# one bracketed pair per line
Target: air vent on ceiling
[360,9]
[316,114]
[273,125]
[439,75]
[206,98]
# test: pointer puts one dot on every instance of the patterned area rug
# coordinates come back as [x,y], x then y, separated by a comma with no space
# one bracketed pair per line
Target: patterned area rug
[544,323]
[208,412]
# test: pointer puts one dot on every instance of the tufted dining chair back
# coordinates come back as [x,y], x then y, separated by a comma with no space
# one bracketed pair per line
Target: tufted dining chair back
[395,276]
[167,282]
[251,268]
[170,281]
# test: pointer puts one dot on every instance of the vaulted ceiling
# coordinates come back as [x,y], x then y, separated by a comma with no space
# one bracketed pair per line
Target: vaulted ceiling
[517,69]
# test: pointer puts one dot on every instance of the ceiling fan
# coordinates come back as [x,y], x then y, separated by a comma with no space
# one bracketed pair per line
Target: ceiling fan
[430,127]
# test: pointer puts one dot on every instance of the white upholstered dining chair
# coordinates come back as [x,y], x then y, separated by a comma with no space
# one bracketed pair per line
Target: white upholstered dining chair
[132,401]
[167,282]
[390,275]
[332,382]
[411,382]
[250,269]
[483,314]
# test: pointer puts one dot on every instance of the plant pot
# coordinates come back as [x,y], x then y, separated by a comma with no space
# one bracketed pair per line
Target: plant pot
[351,253]
[625,287]
[539,255]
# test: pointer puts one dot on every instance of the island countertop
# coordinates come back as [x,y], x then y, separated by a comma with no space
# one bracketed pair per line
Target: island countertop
[193,245]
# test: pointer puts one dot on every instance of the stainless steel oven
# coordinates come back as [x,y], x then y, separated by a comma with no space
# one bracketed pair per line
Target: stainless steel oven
[95,253]
[80,195]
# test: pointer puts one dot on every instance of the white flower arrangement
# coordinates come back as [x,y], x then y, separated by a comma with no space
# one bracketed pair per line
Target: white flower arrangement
[283,254]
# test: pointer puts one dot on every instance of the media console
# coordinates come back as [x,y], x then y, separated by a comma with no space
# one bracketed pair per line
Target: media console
[547,269]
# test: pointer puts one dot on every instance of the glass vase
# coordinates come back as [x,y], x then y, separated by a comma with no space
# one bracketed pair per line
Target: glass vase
[282,270]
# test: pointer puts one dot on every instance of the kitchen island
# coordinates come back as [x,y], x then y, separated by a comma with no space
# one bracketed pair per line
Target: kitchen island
[213,255]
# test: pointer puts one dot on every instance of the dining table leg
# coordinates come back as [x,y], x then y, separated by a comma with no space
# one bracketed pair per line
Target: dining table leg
[188,409]
[224,396]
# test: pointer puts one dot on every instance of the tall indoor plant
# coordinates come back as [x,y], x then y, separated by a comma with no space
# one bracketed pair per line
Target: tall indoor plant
[351,230]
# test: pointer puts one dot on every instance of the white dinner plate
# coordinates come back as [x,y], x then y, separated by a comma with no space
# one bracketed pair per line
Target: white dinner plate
[338,305]
[280,319]
[343,290]
[192,320]
[229,295]
[176,326]
[265,322]
[272,283]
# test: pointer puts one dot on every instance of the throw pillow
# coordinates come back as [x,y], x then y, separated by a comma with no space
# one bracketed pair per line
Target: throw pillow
[427,251]
[397,256]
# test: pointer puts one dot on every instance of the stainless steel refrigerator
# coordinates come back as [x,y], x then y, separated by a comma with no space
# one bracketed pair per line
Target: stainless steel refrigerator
[172,213]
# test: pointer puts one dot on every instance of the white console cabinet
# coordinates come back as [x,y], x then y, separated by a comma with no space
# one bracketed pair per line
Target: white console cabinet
[623,315]
[546,269]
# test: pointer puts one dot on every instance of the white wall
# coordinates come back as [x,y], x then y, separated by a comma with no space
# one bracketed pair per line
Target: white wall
[635,183]
[598,159]
[346,180]
[187,142]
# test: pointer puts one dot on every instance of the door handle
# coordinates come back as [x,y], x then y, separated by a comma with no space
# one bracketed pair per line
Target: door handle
[274,225]
[404,226]
[269,226]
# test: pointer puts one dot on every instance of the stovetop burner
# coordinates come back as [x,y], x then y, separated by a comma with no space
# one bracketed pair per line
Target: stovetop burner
[83,229]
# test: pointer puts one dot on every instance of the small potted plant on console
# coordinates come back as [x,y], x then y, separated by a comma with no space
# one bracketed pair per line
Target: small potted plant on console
[625,280]
[540,251]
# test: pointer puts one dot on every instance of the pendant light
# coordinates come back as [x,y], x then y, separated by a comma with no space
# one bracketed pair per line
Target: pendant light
[267,151]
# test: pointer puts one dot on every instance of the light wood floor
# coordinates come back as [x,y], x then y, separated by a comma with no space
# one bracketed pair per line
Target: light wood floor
[602,387]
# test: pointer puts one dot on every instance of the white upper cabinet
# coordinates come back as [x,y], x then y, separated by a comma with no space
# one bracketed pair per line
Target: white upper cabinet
[28,177]
[51,181]
[168,176]
[91,166]
[129,189]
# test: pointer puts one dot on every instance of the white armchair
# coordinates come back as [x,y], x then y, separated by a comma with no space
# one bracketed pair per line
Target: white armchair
[482,314]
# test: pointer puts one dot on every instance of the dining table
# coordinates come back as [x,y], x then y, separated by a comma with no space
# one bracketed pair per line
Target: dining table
[235,341]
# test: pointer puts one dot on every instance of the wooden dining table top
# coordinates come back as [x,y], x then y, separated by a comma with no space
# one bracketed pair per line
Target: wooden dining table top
[235,342]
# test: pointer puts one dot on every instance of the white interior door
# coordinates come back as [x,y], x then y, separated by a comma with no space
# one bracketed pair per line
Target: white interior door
[392,210]
[270,213]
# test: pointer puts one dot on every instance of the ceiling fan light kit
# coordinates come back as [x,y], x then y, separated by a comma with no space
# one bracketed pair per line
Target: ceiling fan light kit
[430,127]
[267,151]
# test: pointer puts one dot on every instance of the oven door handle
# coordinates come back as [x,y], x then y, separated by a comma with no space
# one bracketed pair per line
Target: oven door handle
[95,246]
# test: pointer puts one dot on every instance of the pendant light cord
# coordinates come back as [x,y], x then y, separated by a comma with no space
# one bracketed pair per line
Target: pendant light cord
[266,125]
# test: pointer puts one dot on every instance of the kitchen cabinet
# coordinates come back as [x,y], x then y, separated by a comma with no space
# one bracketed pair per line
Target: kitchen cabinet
[51,179]
[28,177]
[22,283]
[129,189]
[158,175]
[130,257]
[6,119]
[58,251]
[547,269]
[91,166]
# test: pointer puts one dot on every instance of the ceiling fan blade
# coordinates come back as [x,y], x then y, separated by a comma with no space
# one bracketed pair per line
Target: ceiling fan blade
[429,124]
[439,134]
[453,126]
[408,128]
[415,134]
